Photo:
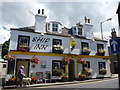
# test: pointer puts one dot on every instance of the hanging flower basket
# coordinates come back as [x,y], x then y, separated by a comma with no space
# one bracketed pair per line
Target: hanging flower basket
[35,60]
[82,61]
[9,57]
[66,61]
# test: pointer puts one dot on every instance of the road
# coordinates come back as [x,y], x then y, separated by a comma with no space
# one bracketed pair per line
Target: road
[107,84]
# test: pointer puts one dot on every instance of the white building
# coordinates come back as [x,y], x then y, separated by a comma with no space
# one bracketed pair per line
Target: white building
[41,40]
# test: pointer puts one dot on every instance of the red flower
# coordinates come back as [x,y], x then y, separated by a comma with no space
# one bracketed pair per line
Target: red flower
[35,60]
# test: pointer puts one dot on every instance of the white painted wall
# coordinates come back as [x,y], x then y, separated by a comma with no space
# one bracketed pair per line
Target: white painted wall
[48,43]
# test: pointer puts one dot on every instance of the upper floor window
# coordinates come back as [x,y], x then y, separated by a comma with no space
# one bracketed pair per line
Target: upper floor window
[57,46]
[23,43]
[100,46]
[84,44]
[55,27]
[79,31]
[57,42]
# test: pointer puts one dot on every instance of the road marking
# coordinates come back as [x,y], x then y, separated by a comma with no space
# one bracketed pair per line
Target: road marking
[76,83]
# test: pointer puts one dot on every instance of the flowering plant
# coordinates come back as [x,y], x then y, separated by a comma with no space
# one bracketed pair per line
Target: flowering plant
[35,60]
[8,57]
[100,52]
[103,71]
[57,72]
[57,49]
[23,48]
[66,60]
[82,61]
[12,78]
[81,76]
[64,76]
[86,49]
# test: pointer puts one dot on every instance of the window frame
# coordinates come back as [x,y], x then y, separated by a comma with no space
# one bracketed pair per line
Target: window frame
[22,36]
[100,46]
[103,66]
[84,43]
[80,31]
[55,27]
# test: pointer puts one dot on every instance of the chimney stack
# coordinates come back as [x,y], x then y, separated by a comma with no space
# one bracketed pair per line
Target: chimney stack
[113,33]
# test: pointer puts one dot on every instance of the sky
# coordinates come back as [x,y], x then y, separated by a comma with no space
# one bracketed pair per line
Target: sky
[19,13]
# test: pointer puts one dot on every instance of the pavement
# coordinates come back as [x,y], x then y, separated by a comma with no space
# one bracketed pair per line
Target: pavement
[64,83]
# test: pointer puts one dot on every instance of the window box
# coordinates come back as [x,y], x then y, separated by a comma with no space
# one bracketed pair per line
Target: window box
[57,49]
[102,71]
[101,52]
[23,48]
[86,51]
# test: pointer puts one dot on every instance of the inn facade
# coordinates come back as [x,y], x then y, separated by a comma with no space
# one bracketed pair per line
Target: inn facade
[52,43]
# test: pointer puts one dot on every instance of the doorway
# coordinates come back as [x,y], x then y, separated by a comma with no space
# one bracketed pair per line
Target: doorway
[71,70]
[25,63]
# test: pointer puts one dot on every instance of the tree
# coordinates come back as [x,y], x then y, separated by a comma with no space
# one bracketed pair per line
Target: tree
[5,48]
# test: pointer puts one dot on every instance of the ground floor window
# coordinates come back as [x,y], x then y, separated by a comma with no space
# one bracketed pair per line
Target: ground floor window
[102,68]
[56,68]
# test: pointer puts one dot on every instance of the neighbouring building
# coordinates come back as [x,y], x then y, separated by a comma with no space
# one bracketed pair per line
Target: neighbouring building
[113,56]
[58,49]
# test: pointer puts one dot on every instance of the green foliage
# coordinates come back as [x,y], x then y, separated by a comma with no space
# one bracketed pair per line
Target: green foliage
[5,48]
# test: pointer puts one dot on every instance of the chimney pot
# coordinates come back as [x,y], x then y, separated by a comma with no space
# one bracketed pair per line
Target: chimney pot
[42,11]
[39,11]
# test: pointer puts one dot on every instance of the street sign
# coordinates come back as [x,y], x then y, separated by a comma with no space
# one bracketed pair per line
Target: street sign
[115,45]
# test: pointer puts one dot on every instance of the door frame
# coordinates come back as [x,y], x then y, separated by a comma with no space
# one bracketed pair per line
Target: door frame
[23,60]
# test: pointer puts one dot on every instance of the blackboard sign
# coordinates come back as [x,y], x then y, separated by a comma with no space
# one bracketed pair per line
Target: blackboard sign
[39,76]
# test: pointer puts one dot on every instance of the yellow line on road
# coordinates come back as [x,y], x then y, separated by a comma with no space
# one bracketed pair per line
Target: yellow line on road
[75,84]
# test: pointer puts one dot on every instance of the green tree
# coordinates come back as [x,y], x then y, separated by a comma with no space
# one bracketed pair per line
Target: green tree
[5,48]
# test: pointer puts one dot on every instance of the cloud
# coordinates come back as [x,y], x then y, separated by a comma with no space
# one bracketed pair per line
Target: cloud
[68,13]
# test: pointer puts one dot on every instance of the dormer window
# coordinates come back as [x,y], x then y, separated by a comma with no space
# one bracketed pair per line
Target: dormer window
[79,31]
[74,30]
[55,27]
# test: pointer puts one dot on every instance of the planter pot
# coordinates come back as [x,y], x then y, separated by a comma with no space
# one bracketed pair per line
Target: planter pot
[85,53]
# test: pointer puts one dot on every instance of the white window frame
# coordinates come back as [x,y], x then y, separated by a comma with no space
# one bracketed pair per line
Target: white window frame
[55,27]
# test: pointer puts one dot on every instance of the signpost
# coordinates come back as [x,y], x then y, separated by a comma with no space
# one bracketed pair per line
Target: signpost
[115,48]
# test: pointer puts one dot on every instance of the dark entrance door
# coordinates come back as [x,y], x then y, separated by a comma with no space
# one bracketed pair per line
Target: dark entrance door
[71,70]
